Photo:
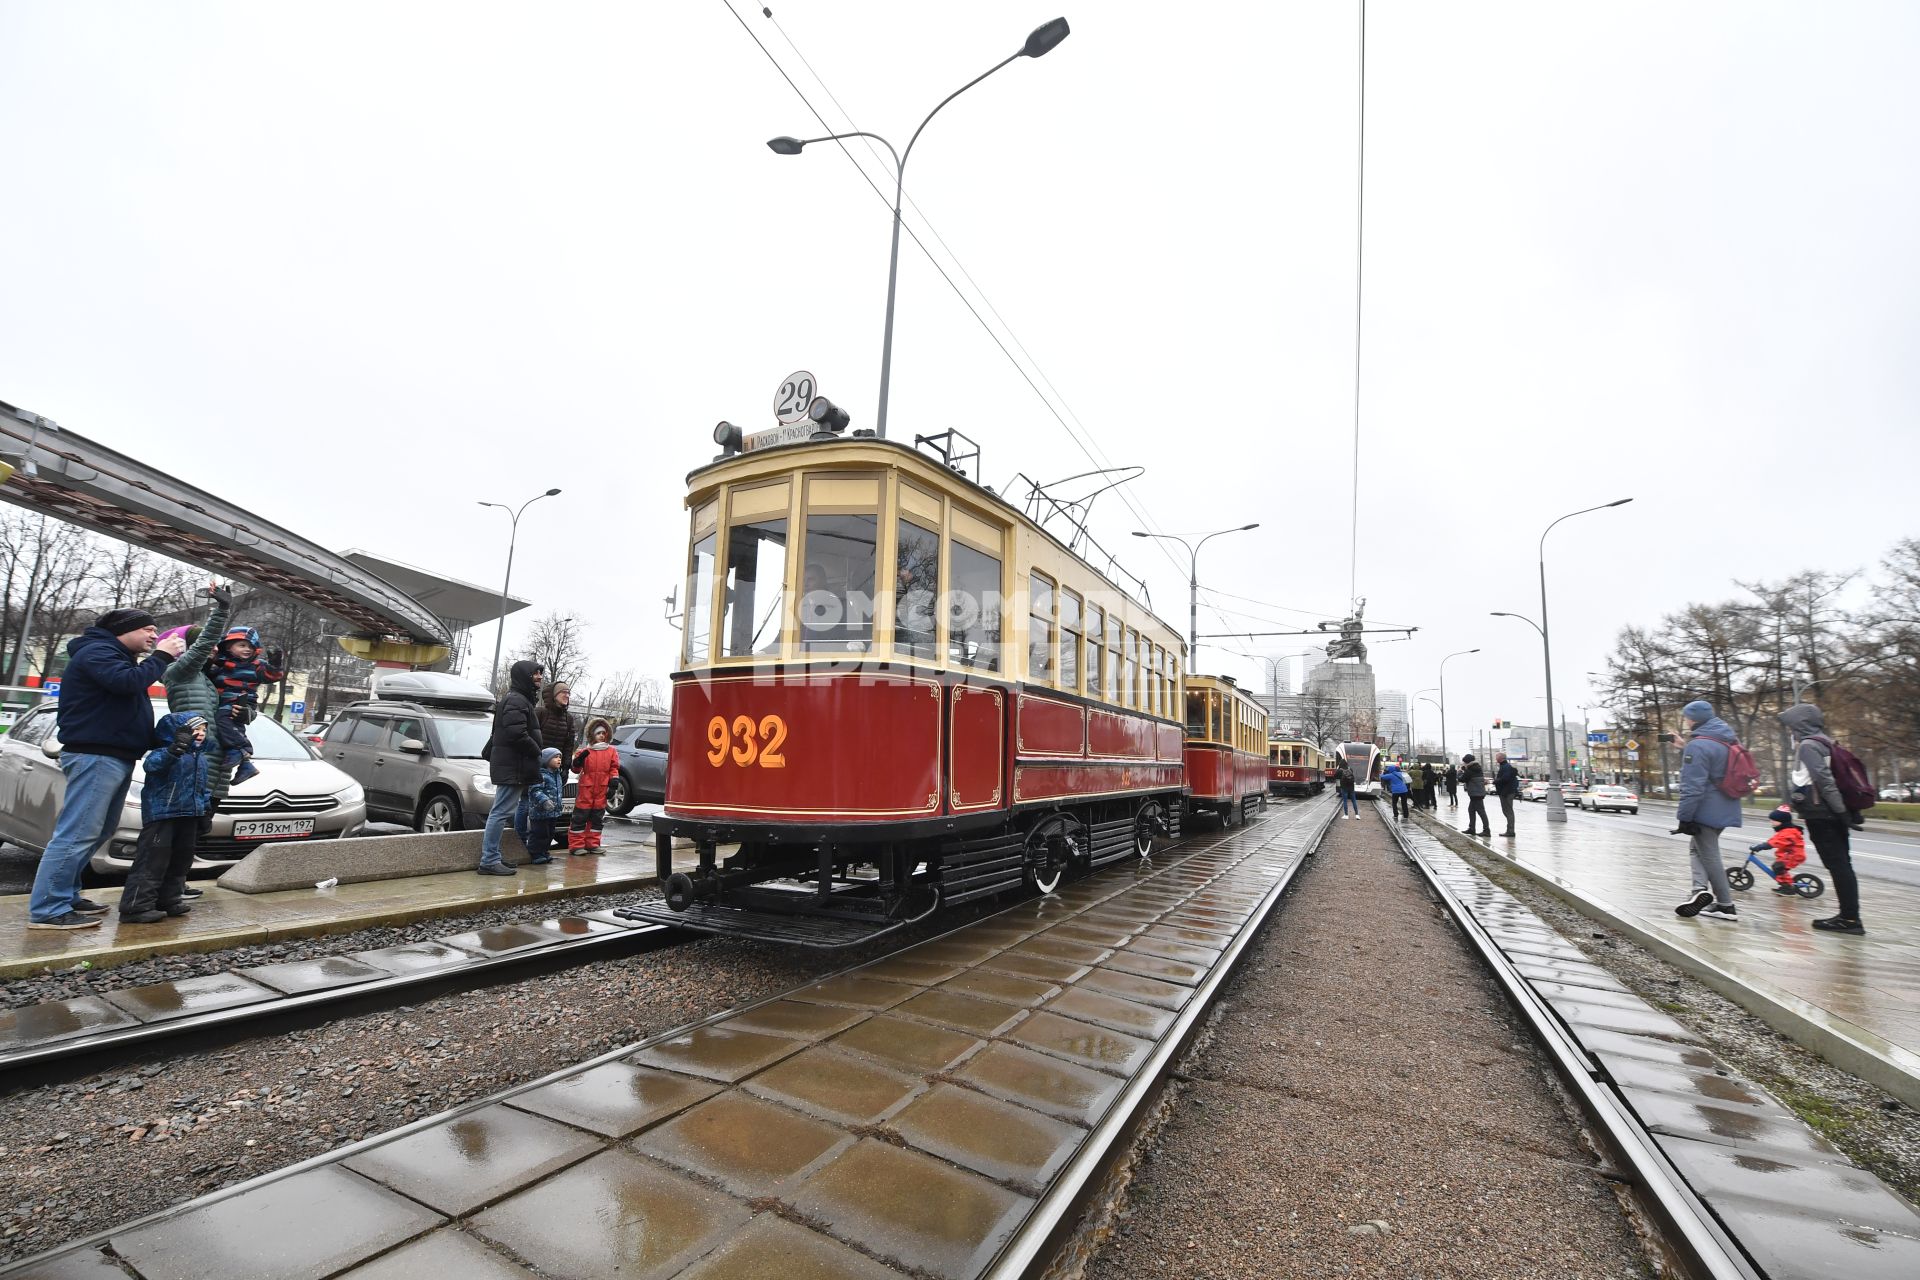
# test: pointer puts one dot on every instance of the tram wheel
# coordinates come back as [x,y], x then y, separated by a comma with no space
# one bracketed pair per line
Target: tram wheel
[1148,824]
[1048,854]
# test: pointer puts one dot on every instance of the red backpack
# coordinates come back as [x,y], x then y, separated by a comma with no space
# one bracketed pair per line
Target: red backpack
[1741,778]
[1856,789]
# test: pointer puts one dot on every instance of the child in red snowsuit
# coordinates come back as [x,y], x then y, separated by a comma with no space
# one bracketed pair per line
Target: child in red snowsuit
[598,764]
[1789,848]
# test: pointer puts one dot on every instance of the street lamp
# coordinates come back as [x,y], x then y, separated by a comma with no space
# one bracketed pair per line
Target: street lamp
[1040,41]
[511,539]
[1193,584]
[1413,733]
[1556,803]
[1444,749]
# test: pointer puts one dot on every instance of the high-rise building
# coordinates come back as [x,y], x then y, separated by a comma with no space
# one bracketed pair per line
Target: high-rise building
[1394,726]
[1346,689]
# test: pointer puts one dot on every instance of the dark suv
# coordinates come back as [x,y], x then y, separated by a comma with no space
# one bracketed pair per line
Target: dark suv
[643,767]
[421,764]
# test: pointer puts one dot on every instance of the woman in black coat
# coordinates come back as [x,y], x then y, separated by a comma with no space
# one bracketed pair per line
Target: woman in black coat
[513,758]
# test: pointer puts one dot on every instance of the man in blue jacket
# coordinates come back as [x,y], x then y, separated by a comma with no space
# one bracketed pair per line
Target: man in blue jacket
[106,723]
[1706,811]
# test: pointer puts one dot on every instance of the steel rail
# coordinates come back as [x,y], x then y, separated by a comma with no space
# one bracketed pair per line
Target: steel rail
[1701,1244]
[28,1067]
[1032,1248]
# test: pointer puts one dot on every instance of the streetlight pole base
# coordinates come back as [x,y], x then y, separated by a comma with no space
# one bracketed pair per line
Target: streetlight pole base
[1556,804]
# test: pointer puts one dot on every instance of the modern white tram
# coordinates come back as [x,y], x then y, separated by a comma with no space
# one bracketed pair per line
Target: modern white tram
[1366,762]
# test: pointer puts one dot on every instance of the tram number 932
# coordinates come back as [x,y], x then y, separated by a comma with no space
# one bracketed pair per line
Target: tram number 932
[746,742]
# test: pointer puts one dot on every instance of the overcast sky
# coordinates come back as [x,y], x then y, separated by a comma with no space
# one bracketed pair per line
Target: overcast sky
[358,266]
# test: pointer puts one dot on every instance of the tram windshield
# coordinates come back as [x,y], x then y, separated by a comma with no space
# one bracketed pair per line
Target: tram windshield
[837,591]
[756,579]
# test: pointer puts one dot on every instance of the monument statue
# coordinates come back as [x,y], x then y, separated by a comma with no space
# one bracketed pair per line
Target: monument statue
[1350,645]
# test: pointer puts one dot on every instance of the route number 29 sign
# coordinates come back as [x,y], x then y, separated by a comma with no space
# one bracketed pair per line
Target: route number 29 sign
[795,394]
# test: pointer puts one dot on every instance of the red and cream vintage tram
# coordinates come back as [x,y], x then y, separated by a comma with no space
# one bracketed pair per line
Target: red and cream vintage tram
[898,692]
[1225,752]
[1296,768]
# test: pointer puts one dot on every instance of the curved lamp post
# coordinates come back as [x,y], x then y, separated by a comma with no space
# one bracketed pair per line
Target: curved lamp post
[1444,748]
[1041,41]
[511,539]
[1556,803]
[1193,584]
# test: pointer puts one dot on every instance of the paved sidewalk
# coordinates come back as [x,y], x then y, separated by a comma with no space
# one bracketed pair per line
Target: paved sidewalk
[1855,1001]
[225,919]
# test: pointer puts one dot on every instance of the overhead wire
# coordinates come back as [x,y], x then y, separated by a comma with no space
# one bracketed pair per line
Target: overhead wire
[1086,444]
[1359,299]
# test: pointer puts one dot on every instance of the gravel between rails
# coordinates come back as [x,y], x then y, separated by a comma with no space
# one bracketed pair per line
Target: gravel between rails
[1863,1120]
[86,1155]
[1367,1105]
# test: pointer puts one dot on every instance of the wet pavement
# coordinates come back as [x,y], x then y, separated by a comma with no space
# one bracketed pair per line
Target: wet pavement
[223,918]
[907,1115]
[1795,1202]
[1866,989]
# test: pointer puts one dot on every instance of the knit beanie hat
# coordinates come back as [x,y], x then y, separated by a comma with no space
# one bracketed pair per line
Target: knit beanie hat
[1781,817]
[120,621]
[550,751]
[1699,711]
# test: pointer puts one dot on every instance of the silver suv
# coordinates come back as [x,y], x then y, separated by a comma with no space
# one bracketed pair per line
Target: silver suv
[293,797]
[421,764]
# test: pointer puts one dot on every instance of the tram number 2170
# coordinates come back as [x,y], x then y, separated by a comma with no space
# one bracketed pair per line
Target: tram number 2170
[747,743]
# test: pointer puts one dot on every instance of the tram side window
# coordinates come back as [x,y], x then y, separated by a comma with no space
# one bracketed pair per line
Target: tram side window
[1096,670]
[1040,631]
[916,578]
[1069,641]
[699,600]
[1115,690]
[756,581]
[1196,714]
[973,626]
[837,586]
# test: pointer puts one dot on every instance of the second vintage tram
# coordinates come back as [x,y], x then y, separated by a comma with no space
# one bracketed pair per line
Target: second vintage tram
[898,692]
[1296,768]
[1226,768]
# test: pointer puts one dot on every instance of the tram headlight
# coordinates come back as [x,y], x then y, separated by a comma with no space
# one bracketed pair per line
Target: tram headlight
[728,437]
[828,415]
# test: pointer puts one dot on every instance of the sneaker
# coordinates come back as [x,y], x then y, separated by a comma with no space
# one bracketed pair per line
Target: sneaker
[1720,911]
[495,869]
[539,862]
[142,917]
[1698,900]
[1832,924]
[175,908]
[1787,890]
[66,920]
[88,907]
[192,893]
[246,770]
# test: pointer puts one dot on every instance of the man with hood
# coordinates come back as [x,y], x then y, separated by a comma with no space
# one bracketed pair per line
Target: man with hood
[1506,785]
[105,724]
[513,758]
[1706,811]
[1397,788]
[1817,799]
[1474,778]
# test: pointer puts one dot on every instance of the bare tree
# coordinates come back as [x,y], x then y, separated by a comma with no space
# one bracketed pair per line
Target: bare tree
[1324,718]
[555,643]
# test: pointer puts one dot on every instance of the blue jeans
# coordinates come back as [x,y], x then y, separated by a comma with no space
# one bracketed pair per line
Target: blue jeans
[505,801]
[96,792]
[1349,801]
[523,818]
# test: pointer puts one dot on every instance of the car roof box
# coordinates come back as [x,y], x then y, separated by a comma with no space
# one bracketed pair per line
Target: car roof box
[432,689]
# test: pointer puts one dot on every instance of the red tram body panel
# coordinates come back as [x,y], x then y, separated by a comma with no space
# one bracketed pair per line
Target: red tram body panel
[1225,758]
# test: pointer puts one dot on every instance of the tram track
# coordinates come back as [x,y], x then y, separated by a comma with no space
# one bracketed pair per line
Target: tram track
[218,1028]
[1685,1228]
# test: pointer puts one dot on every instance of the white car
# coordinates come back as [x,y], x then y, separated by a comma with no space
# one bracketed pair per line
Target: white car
[1615,799]
[1534,791]
[294,797]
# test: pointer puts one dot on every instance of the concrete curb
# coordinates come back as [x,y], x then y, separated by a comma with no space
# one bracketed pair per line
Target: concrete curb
[1851,1048]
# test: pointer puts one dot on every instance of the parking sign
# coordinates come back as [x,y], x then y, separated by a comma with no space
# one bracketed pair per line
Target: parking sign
[298,708]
